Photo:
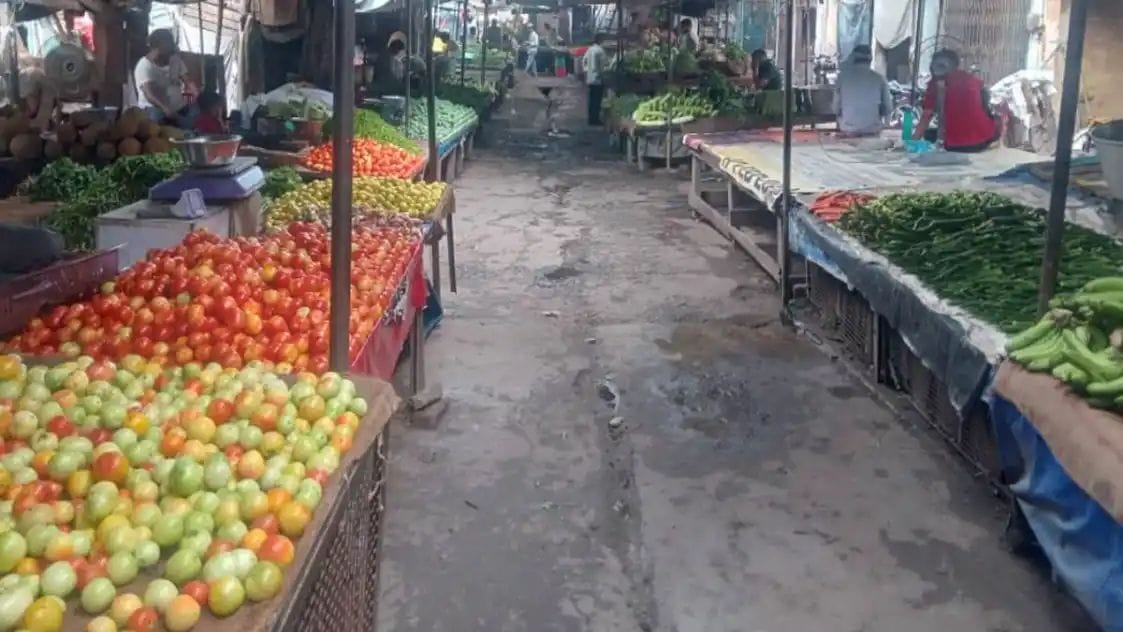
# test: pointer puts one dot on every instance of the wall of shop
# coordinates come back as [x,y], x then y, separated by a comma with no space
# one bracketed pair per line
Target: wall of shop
[1101,89]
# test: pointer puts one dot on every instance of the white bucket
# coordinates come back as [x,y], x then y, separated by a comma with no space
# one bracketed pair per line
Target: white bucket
[1109,146]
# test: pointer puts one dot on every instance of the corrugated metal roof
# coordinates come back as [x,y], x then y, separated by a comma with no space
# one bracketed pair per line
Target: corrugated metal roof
[231,17]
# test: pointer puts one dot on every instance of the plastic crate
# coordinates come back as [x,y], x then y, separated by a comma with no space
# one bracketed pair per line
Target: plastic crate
[339,591]
[77,275]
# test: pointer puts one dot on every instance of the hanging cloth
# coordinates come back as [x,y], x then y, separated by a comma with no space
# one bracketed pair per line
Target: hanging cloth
[893,21]
[855,23]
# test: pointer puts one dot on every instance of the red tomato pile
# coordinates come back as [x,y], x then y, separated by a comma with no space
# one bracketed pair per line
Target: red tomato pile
[369,158]
[230,301]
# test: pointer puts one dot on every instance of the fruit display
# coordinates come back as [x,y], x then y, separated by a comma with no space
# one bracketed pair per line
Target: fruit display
[370,125]
[1080,341]
[231,301]
[87,138]
[377,196]
[136,496]
[84,192]
[451,118]
[678,106]
[369,158]
[980,251]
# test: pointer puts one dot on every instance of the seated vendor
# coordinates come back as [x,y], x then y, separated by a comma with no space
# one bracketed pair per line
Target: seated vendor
[210,119]
[390,76]
[765,74]
[966,120]
[162,82]
[861,95]
[38,97]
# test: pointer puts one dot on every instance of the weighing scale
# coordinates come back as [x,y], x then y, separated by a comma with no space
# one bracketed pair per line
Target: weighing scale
[236,181]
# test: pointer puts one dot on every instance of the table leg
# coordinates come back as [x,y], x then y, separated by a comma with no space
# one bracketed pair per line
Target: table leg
[450,237]
[435,252]
[417,354]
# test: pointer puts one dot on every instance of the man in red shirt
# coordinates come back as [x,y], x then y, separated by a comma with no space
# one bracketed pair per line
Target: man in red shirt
[965,119]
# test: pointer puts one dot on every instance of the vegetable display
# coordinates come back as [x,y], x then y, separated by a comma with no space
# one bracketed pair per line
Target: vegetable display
[624,105]
[370,125]
[85,192]
[830,206]
[369,158]
[280,181]
[189,485]
[645,60]
[86,138]
[726,98]
[231,301]
[980,251]
[450,119]
[296,108]
[470,96]
[679,105]
[1079,341]
[378,196]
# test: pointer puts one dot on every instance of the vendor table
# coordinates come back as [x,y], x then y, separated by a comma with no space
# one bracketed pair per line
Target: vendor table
[21,210]
[749,163]
[1063,461]
[439,224]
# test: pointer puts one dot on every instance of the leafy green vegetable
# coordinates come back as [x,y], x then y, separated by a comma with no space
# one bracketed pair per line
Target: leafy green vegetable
[369,124]
[981,251]
[61,179]
[280,181]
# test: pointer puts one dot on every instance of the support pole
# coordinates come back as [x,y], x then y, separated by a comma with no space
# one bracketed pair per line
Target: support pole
[13,53]
[202,51]
[221,83]
[918,38]
[619,45]
[463,38]
[783,255]
[343,111]
[670,82]
[410,39]
[1066,126]
[433,168]
[483,45]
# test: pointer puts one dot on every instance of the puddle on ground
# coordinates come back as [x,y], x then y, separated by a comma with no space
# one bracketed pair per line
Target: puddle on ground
[747,333]
[561,273]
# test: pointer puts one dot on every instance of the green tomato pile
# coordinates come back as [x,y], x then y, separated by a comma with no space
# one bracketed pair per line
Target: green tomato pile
[371,196]
[450,119]
[136,495]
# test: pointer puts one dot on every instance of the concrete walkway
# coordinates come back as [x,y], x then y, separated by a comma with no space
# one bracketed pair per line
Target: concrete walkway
[751,484]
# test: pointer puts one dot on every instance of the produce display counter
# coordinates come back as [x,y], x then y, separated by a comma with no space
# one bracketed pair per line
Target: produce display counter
[743,169]
[454,150]
[75,276]
[438,225]
[1063,461]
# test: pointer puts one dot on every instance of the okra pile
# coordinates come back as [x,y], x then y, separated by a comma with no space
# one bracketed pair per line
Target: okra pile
[980,251]
[1079,342]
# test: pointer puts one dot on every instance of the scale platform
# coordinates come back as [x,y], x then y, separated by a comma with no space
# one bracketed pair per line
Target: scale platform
[236,181]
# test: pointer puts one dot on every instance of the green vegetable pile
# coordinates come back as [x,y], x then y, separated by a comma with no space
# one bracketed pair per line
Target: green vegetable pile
[734,52]
[280,181]
[450,119]
[981,251]
[467,95]
[726,98]
[496,59]
[369,124]
[86,192]
[1079,342]
[646,60]
[624,105]
[678,104]
[298,108]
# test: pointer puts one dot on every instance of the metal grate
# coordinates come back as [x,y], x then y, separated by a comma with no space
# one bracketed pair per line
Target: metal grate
[978,443]
[991,35]
[340,592]
[927,393]
[857,320]
[825,294]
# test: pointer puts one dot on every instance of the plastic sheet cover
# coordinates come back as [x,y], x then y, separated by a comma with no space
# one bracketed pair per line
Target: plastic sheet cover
[957,348]
[1082,542]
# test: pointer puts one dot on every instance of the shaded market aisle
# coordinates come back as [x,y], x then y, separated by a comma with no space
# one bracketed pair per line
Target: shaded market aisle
[752,484]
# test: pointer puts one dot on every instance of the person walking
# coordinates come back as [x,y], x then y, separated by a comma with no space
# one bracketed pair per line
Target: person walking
[532,51]
[594,77]
[861,96]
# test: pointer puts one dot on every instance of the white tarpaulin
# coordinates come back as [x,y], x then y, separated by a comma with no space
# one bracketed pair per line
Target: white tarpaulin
[895,20]
[854,23]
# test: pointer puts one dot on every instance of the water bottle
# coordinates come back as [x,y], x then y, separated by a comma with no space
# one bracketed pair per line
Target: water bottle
[906,124]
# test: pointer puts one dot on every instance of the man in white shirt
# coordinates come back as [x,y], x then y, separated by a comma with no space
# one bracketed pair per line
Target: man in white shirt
[861,97]
[594,77]
[162,81]
[532,52]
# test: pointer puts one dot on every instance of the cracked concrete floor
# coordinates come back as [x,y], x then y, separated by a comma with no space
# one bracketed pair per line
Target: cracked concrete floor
[752,484]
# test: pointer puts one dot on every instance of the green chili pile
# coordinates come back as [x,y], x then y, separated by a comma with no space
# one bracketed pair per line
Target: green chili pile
[981,251]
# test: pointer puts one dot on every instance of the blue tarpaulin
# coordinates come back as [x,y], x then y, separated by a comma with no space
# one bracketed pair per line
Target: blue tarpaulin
[1083,542]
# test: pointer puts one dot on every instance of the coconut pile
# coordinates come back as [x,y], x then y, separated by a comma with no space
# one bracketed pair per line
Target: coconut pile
[87,138]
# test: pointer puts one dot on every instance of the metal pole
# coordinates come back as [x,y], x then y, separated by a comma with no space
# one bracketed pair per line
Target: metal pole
[430,94]
[783,256]
[483,46]
[918,38]
[463,39]
[409,60]
[202,51]
[619,70]
[218,46]
[670,81]
[1066,126]
[343,111]
[13,53]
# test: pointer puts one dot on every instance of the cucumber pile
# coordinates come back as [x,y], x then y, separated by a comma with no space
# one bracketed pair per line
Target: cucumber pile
[681,105]
[981,251]
[1079,341]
